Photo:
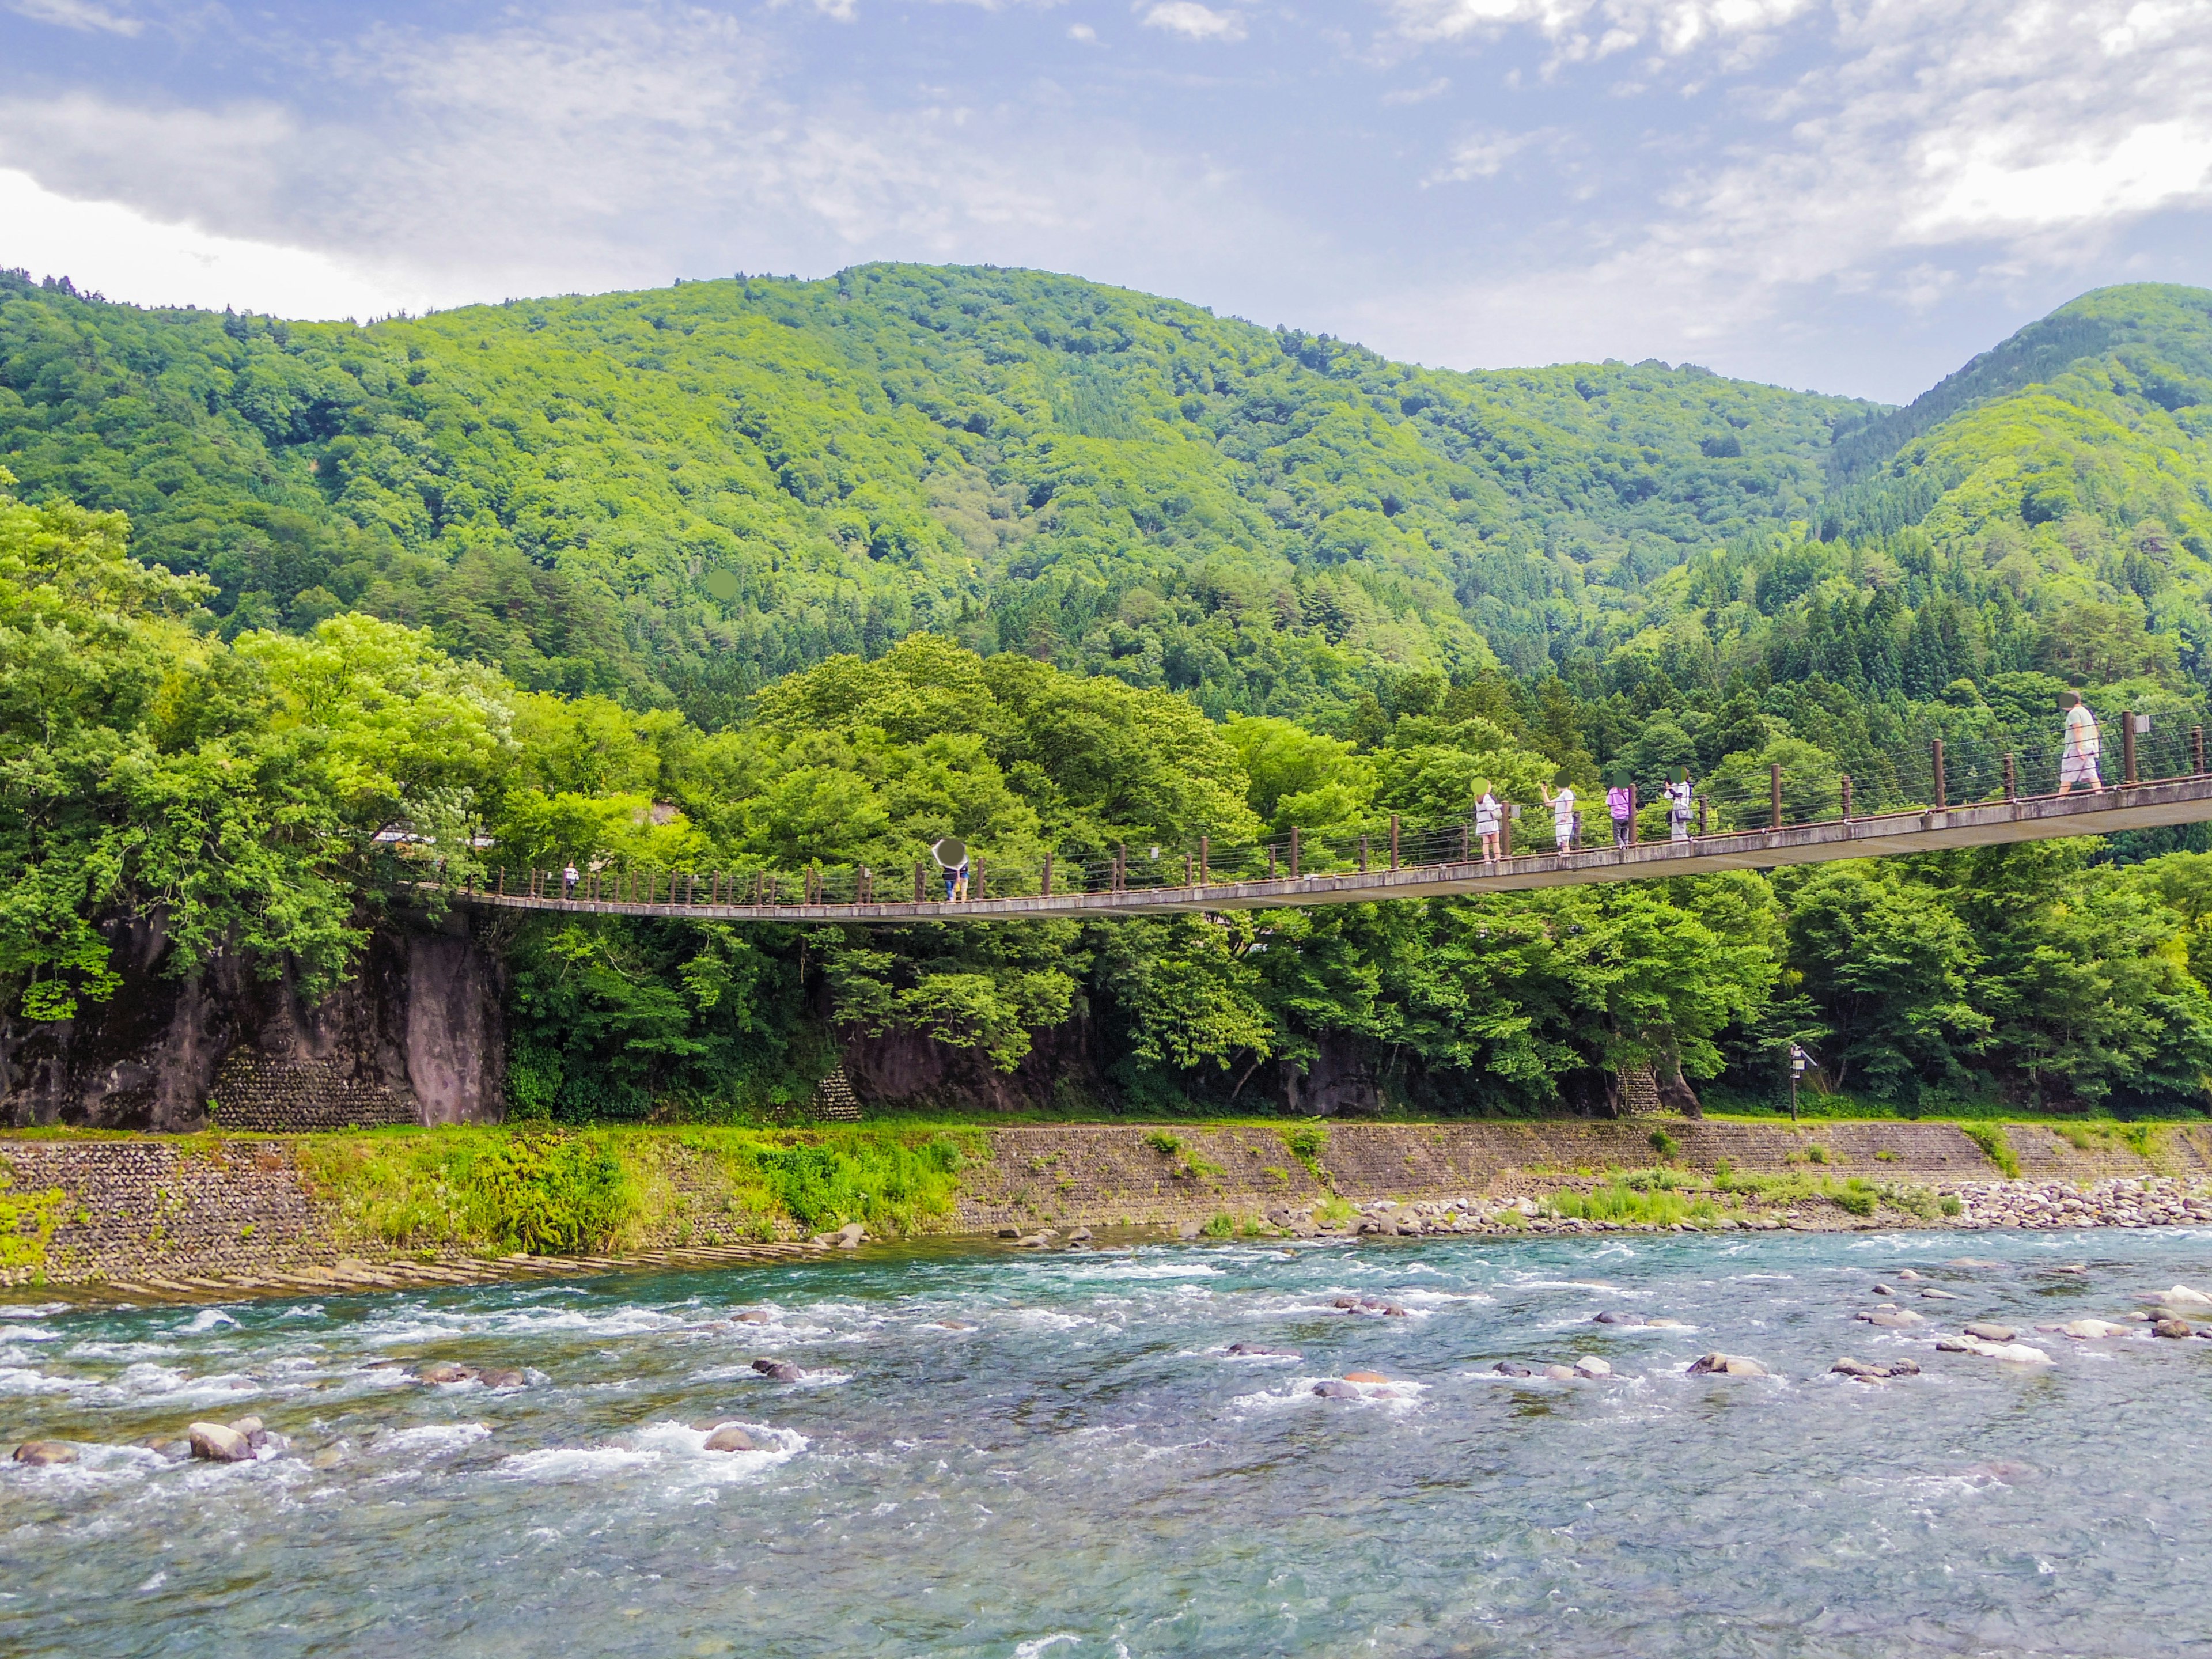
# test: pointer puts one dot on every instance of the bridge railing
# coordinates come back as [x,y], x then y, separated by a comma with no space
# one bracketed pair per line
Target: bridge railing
[1933,773]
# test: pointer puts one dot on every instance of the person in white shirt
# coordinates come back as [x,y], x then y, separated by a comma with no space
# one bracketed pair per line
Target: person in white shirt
[1563,815]
[1486,815]
[569,877]
[2078,756]
[1678,795]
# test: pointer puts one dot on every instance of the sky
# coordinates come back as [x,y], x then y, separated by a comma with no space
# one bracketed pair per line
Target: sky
[1852,198]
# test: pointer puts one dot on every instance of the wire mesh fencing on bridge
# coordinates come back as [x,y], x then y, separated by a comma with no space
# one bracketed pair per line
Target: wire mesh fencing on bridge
[1738,798]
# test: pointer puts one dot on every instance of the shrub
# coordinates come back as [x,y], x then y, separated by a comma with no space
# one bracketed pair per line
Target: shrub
[551,1195]
[1664,1143]
[1991,1138]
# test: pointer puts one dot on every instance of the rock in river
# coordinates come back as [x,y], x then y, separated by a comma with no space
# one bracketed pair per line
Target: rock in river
[1255,1351]
[2172,1328]
[1891,1319]
[729,1438]
[1512,1368]
[1590,1366]
[1866,1373]
[2018,1353]
[1726,1364]
[778,1371]
[1990,1333]
[219,1443]
[44,1452]
[1330,1388]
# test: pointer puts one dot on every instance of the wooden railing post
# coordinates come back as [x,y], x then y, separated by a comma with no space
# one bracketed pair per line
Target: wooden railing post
[1847,798]
[1363,855]
[1047,883]
[1121,867]
[1701,810]
[978,875]
[1271,860]
[1189,864]
[920,880]
[1294,851]
[1505,831]
[1935,759]
[2012,778]
[1774,796]
[2196,748]
[1394,836]
[2127,746]
[1632,814]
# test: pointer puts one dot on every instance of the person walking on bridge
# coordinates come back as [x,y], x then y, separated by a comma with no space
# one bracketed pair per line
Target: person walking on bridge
[1563,815]
[2078,756]
[1679,794]
[569,877]
[1486,817]
[1620,802]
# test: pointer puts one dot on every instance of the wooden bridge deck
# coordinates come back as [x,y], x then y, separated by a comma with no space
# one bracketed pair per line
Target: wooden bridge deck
[2142,806]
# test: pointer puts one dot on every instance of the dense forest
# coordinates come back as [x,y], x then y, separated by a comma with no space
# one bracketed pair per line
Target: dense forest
[765,572]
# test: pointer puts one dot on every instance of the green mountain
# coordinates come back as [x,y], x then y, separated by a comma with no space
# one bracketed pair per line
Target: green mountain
[678,495]
[748,576]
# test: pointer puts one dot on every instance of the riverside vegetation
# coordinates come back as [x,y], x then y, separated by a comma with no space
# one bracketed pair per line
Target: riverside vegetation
[747,573]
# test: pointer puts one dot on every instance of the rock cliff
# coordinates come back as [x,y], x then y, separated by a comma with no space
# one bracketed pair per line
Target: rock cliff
[416,1036]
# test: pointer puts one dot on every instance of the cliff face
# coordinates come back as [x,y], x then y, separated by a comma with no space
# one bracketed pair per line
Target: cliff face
[416,1036]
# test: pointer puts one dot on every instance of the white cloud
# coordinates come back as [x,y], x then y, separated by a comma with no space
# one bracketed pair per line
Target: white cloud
[614,149]
[131,256]
[1194,21]
[75,15]
[1481,156]
[1420,94]
[1082,32]
[1939,144]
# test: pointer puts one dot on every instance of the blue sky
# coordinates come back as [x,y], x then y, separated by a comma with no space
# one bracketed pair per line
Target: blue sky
[1854,197]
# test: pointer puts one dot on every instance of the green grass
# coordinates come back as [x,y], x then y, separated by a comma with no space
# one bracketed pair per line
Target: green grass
[1664,1143]
[500,1190]
[1991,1138]
[1620,1202]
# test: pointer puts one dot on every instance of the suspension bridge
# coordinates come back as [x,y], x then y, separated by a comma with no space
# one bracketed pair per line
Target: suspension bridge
[1968,799]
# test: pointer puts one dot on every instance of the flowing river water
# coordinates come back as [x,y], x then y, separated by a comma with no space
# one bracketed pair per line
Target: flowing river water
[1025,1455]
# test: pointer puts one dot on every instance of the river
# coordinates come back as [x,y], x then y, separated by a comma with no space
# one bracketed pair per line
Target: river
[1023,1455]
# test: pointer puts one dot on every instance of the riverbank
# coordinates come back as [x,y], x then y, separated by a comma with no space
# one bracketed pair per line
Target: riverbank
[207,1215]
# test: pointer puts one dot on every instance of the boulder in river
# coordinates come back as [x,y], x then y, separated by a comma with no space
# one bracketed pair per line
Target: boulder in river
[2180,1297]
[1981,1261]
[1512,1368]
[219,1443]
[45,1452]
[2017,1353]
[502,1376]
[1991,1333]
[1330,1388]
[1891,1319]
[778,1371]
[445,1370]
[1365,1376]
[1080,1236]
[729,1438]
[1907,1272]
[1866,1373]
[1590,1366]
[1881,1290]
[1726,1364]
[2085,1330]
[1034,1241]
[1255,1351]
[2172,1328]
[1940,1296]
[851,1236]
[753,1316]
[1613,1317]
[1560,1373]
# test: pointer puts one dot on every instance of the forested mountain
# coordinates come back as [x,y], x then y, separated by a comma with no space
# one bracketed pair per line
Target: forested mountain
[752,574]
[677,495]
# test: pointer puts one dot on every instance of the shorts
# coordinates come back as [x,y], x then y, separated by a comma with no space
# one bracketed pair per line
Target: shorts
[2078,769]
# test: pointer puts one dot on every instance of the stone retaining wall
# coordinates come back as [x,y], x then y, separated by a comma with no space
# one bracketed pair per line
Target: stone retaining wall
[132,1206]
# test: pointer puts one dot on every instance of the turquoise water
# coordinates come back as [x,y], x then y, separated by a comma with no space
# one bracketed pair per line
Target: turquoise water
[1014,1455]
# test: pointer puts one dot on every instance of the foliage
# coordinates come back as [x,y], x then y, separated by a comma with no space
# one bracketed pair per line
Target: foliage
[1991,1138]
